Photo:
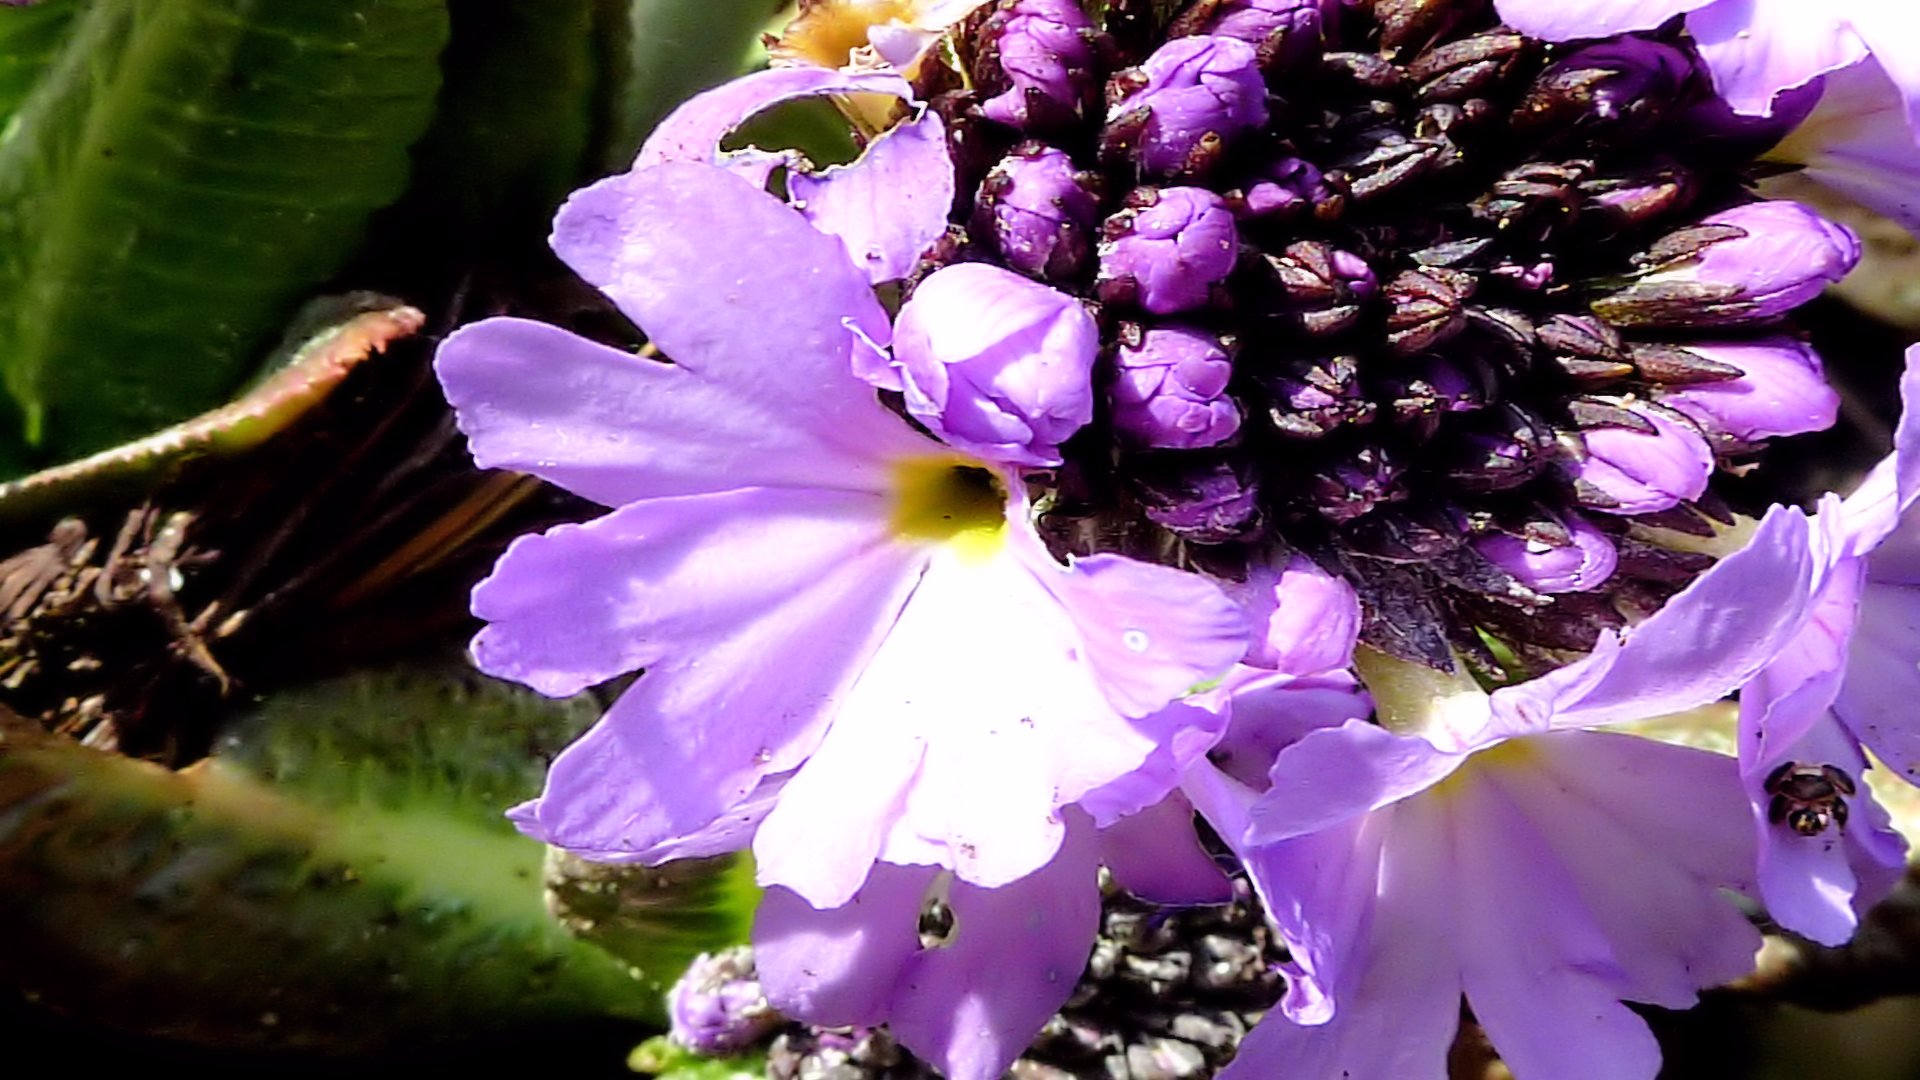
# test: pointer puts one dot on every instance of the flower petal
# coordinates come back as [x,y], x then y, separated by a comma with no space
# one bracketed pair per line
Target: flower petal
[1714,635]
[841,965]
[693,131]
[890,204]
[660,584]
[1558,20]
[1156,855]
[1883,677]
[739,289]
[1892,32]
[613,427]
[1757,48]
[1334,774]
[974,1003]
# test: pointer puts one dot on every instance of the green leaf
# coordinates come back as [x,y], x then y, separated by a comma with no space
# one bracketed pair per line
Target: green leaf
[337,877]
[30,38]
[182,174]
[677,49]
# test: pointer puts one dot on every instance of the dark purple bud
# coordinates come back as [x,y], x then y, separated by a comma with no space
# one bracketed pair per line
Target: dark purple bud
[1318,288]
[1286,33]
[1355,486]
[1782,390]
[1583,561]
[1039,63]
[1314,398]
[1468,68]
[995,364]
[717,1007]
[1040,211]
[1204,499]
[1167,250]
[1641,196]
[1426,307]
[1174,115]
[1750,264]
[1437,387]
[1412,24]
[1629,471]
[1710,130]
[1620,86]
[1287,186]
[1170,389]
[1513,448]
[1532,276]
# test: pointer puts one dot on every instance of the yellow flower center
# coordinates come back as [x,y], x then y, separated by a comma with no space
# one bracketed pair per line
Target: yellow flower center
[828,31]
[950,500]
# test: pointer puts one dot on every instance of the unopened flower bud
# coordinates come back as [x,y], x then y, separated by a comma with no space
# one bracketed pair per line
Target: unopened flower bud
[1512,449]
[1176,112]
[1313,398]
[1423,397]
[1285,187]
[1426,307]
[1285,33]
[1622,85]
[1040,211]
[1167,250]
[717,1007]
[1170,390]
[1643,470]
[1782,390]
[1039,63]
[996,364]
[1204,499]
[1355,486]
[1584,562]
[1319,289]
[1745,265]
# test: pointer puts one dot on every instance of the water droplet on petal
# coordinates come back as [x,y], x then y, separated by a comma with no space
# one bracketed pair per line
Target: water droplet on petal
[1136,640]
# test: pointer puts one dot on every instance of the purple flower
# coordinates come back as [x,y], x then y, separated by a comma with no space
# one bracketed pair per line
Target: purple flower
[1487,846]
[973,1003]
[1170,389]
[1043,52]
[1753,263]
[996,365]
[855,34]
[1181,106]
[717,1007]
[1167,250]
[1039,211]
[814,589]
[1583,563]
[1643,471]
[1754,48]
[1286,185]
[1856,143]
[1846,680]
[886,208]
[1782,390]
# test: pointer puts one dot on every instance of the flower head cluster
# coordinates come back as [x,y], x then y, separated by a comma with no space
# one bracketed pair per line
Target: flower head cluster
[1331,433]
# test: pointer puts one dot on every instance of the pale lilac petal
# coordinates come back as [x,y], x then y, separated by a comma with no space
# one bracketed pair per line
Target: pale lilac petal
[890,204]
[1877,700]
[769,650]
[990,671]
[1272,711]
[781,310]
[1858,142]
[973,1004]
[1892,32]
[1535,967]
[1403,1007]
[1150,633]
[1561,20]
[1335,774]
[730,832]
[1906,437]
[841,965]
[1183,733]
[1305,620]
[1156,855]
[613,427]
[1655,896]
[1757,48]
[1713,635]
[693,131]
[1789,697]
[1808,883]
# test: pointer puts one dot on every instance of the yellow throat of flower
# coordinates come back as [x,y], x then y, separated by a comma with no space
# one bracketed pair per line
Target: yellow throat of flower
[950,500]
[828,31]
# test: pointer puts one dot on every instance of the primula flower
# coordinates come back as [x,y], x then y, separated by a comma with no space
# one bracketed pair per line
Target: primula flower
[813,588]
[866,34]
[1489,846]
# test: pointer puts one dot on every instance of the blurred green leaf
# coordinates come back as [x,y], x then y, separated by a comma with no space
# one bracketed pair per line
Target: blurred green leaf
[677,49]
[337,877]
[181,175]
[30,38]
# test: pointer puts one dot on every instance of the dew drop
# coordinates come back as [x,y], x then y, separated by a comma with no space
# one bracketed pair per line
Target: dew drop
[1136,640]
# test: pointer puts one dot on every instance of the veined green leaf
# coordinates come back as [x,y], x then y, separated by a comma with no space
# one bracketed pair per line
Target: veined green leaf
[30,38]
[181,175]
